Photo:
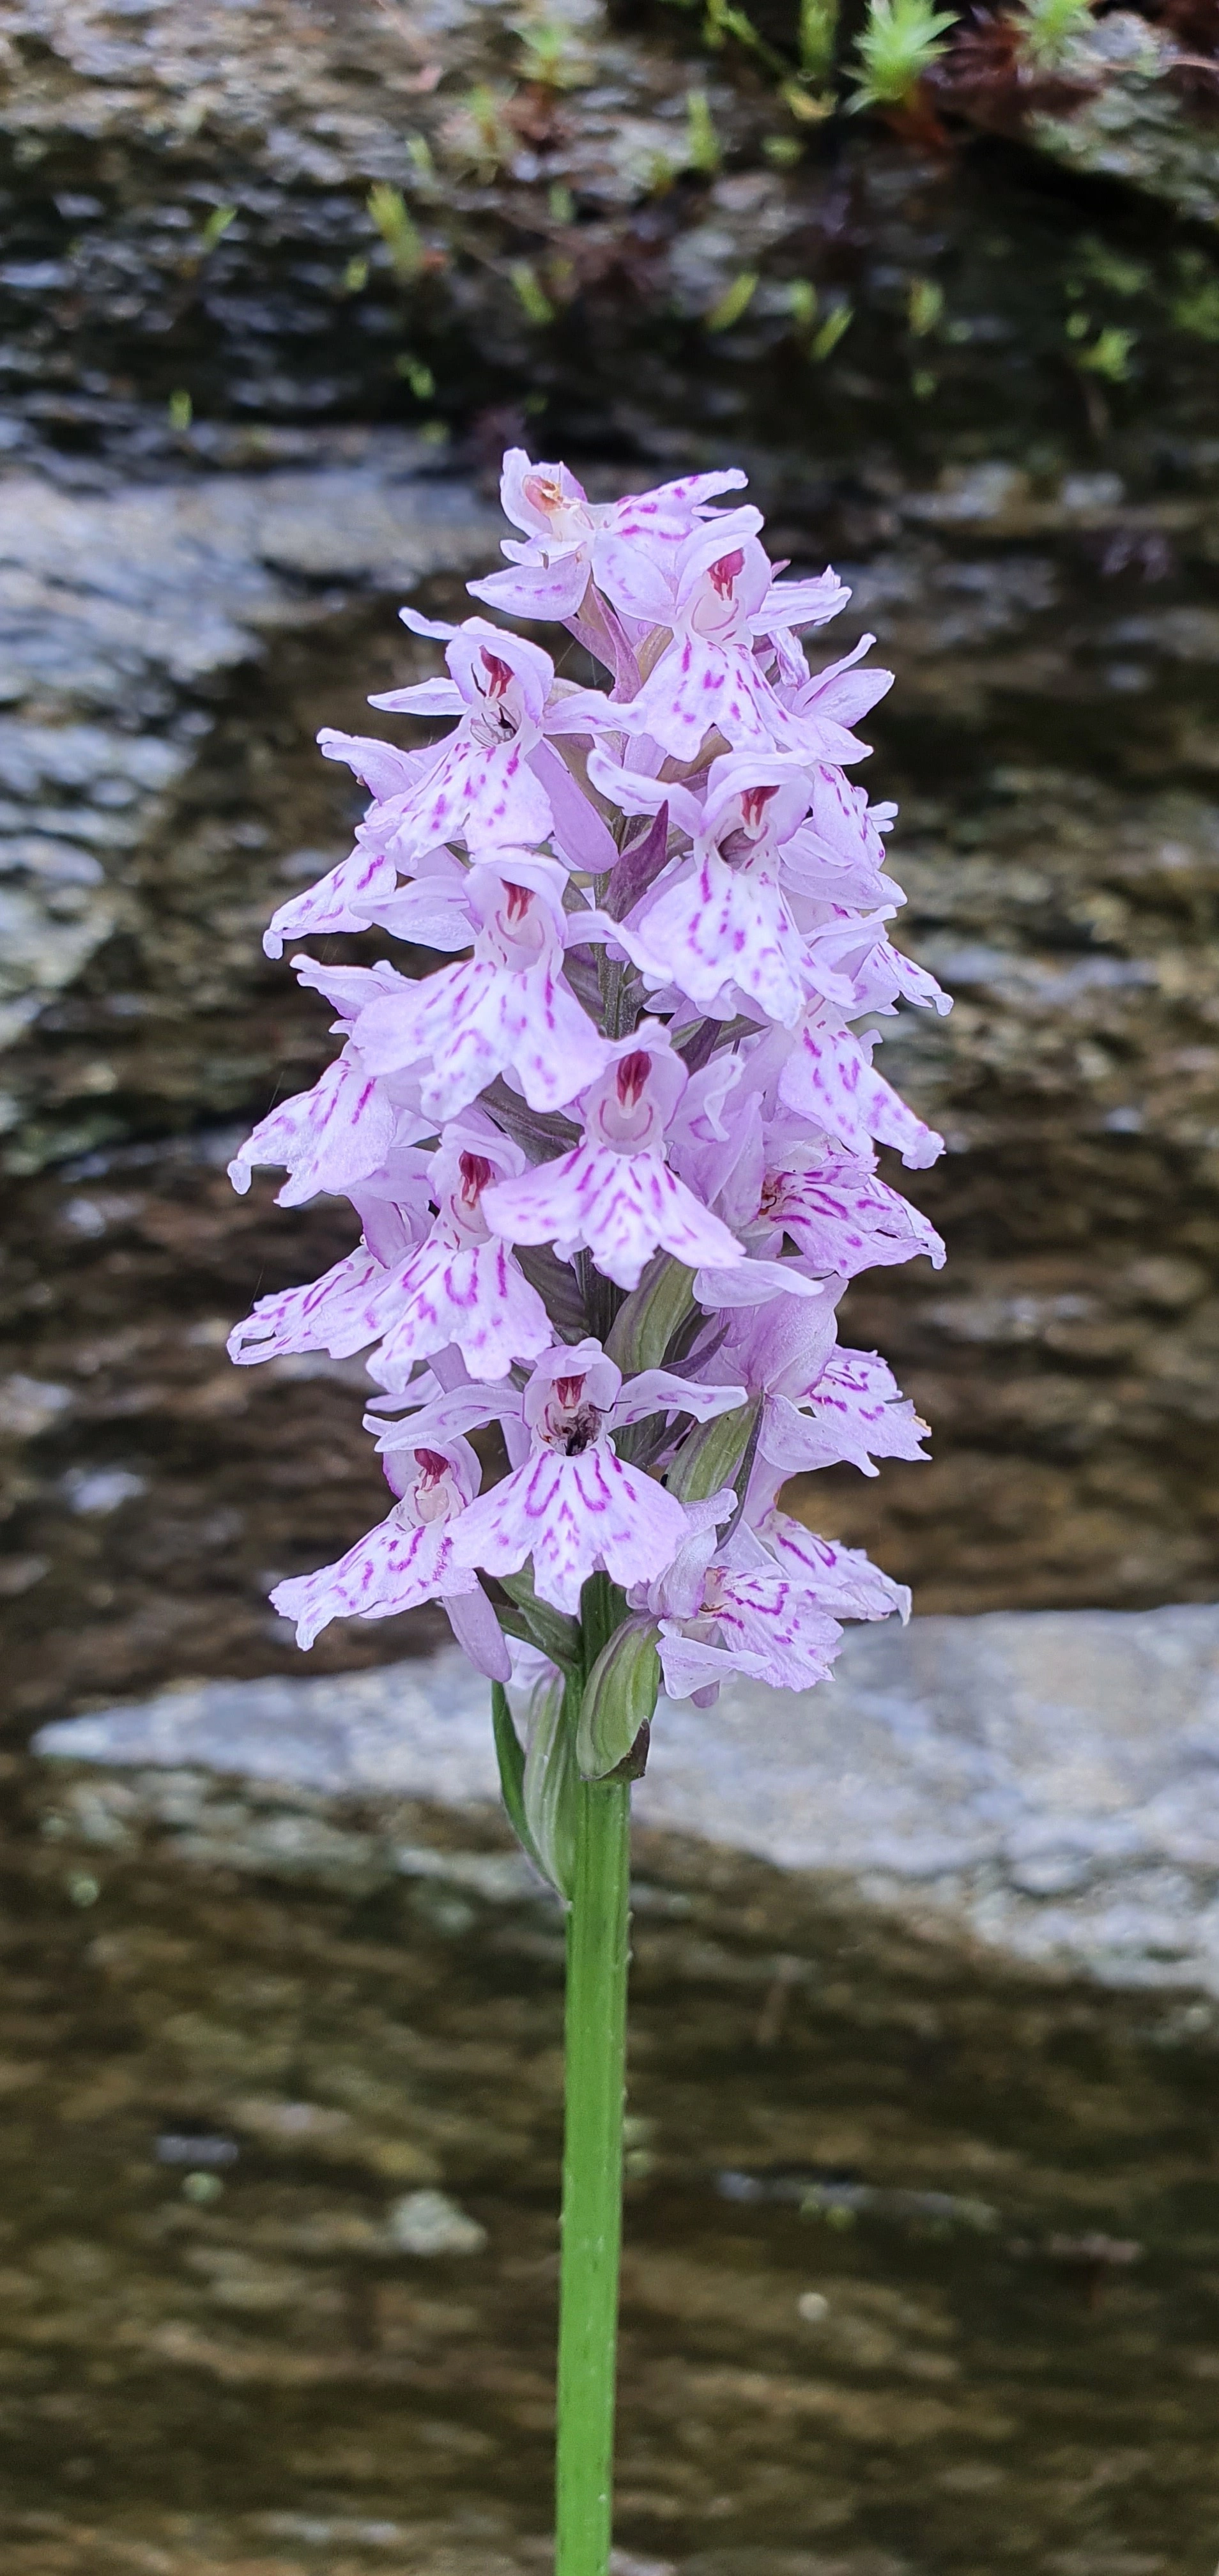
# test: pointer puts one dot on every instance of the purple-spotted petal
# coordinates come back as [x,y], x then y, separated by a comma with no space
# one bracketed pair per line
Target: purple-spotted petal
[398,1566]
[622,1206]
[330,1138]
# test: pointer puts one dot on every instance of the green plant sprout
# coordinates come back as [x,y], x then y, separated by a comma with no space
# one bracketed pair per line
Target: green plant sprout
[215,228]
[924,306]
[418,375]
[1195,307]
[702,141]
[900,41]
[1106,267]
[355,276]
[735,300]
[837,321]
[530,292]
[549,55]
[480,131]
[802,302]
[399,232]
[1109,356]
[561,202]
[180,412]
[818,36]
[723,18]
[1047,26]
[782,150]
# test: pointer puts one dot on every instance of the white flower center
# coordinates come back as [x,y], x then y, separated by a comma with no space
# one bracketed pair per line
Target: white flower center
[434,1495]
[567,515]
[568,1423]
[518,932]
[498,717]
[628,1116]
[717,609]
[463,1206]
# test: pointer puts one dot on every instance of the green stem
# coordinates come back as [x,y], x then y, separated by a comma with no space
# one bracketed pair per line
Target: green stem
[592,2179]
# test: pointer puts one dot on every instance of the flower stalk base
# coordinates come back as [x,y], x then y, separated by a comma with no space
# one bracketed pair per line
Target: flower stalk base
[597,1927]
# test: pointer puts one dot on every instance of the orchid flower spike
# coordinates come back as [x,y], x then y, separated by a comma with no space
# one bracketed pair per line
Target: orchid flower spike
[613,1157]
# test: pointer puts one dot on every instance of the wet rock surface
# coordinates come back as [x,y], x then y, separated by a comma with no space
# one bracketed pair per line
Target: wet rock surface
[921,2249]
[1129,125]
[188,217]
[159,777]
[1046,1783]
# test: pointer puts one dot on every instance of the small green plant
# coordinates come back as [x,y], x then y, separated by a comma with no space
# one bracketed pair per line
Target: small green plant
[1196,306]
[900,41]
[734,301]
[837,321]
[180,411]
[702,141]
[1109,356]
[724,18]
[1047,26]
[399,232]
[802,303]
[215,228]
[480,130]
[530,292]
[418,375]
[924,306]
[1106,267]
[550,56]
[355,276]
[818,35]
[782,150]
[561,202]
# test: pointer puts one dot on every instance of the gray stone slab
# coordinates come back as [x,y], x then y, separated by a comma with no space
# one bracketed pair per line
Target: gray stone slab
[1047,1780]
[116,605]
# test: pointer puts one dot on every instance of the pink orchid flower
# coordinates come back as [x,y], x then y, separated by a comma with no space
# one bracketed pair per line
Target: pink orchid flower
[506,1007]
[573,1505]
[406,1560]
[615,1192]
[645,1069]
[566,534]
[487,783]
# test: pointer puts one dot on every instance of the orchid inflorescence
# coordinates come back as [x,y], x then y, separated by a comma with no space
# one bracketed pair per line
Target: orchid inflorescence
[615,1165]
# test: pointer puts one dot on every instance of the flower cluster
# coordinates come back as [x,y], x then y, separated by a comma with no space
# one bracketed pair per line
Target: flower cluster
[615,1163]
